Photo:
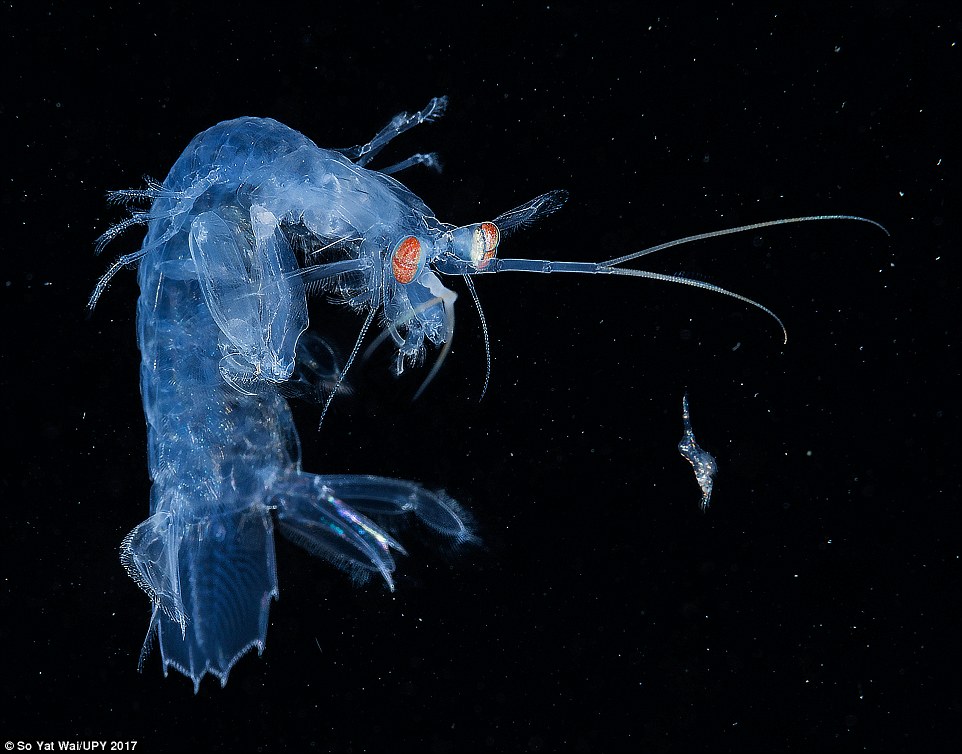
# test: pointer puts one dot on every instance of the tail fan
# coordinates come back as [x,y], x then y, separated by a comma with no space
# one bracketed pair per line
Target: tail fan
[211,582]
[212,579]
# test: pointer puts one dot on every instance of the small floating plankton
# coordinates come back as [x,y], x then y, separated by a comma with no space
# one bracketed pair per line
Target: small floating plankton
[701,461]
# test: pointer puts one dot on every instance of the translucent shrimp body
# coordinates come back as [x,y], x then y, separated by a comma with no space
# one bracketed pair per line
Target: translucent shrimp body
[219,320]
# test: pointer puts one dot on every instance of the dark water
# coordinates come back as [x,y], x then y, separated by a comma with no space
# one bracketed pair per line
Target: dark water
[814,607]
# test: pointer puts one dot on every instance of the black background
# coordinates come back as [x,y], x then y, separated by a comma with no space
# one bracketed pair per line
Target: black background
[814,607]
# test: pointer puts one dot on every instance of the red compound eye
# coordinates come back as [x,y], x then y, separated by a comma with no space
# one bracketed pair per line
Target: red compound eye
[492,235]
[407,260]
[486,244]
